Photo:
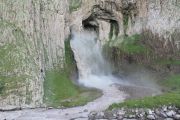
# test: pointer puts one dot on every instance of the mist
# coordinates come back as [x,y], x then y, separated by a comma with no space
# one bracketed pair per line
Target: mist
[95,72]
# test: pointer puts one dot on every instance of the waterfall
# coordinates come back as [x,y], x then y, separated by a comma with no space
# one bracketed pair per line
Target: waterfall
[94,70]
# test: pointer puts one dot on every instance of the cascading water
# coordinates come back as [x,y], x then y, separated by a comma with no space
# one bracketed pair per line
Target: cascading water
[94,70]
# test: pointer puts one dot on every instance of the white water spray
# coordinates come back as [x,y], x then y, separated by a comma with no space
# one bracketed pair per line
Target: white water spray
[94,71]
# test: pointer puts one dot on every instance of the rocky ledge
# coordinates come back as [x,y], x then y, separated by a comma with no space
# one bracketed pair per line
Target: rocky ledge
[161,113]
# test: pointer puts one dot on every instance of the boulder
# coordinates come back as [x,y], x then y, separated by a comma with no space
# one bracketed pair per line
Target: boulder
[177,117]
[151,117]
[170,113]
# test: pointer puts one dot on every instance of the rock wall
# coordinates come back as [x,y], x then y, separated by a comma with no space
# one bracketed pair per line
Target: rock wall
[132,16]
[32,34]
[161,17]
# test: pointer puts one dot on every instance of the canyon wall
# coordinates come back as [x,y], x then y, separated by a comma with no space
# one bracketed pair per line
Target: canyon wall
[132,16]
[32,35]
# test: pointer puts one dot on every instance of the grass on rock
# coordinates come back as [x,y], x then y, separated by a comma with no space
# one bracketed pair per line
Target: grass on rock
[128,44]
[74,5]
[167,62]
[151,102]
[131,45]
[60,91]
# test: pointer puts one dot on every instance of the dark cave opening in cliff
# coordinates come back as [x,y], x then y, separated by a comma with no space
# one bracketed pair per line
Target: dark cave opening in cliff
[90,24]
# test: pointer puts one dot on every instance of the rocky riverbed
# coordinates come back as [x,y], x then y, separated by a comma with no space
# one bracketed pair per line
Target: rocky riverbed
[161,113]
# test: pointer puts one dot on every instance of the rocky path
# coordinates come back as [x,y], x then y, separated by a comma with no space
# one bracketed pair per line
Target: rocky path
[111,95]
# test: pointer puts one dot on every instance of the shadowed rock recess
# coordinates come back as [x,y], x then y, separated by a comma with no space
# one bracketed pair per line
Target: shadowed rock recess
[33,34]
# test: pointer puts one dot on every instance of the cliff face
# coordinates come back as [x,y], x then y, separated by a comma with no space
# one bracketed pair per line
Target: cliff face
[32,35]
[131,16]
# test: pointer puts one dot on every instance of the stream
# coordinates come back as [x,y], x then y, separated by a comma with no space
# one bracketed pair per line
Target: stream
[110,95]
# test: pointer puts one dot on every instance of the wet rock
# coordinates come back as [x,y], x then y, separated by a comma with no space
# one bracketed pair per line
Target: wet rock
[129,119]
[102,119]
[50,108]
[141,115]
[109,115]
[168,119]
[100,115]
[179,111]
[151,117]
[121,112]
[157,111]
[115,115]
[85,110]
[92,115]
[170,113]
[149,112]
[164,108]
[170,107]
[177,117]
[163,115]
[120,118]
[131,116]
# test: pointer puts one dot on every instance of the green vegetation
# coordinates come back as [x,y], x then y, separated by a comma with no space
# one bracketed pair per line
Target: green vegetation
[150,102]
[2,86]
[171,84]
[131,45]
[12,60]
[70,64]
[144,49]
[59,89]
[128,44]
[74,5]
[125,22]
[167,62]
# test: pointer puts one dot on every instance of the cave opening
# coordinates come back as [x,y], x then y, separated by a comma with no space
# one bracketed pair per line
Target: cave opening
[91,24]
[114,29]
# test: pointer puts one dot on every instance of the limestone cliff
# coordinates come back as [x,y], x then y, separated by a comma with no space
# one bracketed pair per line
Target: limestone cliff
[131,16]
[32,35]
